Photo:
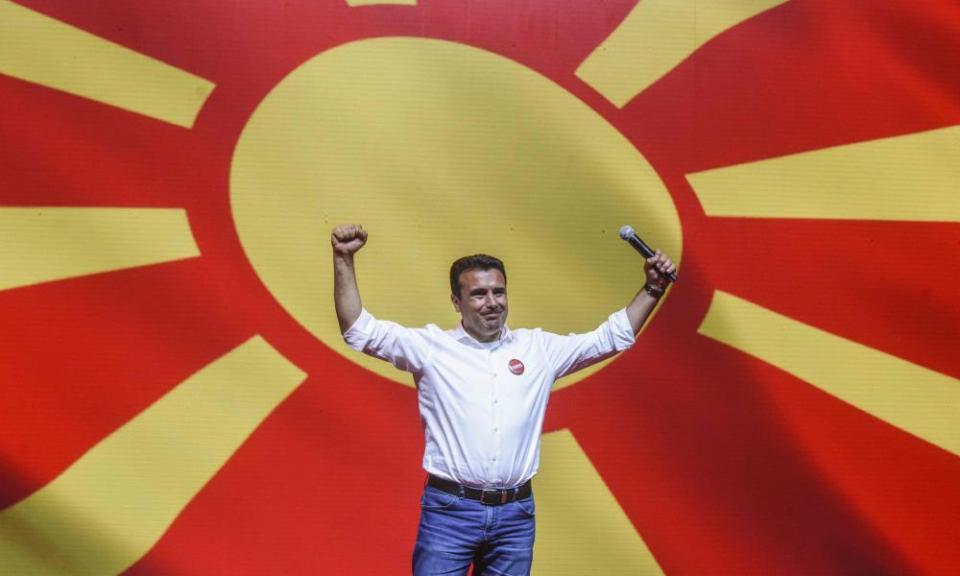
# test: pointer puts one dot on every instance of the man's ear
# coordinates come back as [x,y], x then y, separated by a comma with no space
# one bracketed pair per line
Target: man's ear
[456,303]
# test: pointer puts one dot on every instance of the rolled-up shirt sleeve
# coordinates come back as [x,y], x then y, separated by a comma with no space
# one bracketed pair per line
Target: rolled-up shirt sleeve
[573,352]
[405,348]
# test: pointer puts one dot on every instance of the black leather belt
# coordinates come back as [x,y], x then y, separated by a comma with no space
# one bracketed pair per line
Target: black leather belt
[493,497]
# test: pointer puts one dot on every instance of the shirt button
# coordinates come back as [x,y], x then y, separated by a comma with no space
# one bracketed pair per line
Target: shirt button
[496,429]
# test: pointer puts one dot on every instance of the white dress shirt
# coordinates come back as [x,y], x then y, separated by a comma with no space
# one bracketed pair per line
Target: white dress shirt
[482,404]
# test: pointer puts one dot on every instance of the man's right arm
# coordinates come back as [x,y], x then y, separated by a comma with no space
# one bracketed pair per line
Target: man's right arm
[346,241]
[405,348]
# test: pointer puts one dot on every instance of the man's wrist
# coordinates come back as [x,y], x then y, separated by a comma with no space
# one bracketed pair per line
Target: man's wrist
[654,290]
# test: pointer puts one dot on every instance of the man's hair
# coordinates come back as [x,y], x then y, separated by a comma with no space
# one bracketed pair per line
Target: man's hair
[477,261]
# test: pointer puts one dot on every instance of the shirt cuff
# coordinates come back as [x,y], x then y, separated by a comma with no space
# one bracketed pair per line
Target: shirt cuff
[359,333]
[623,336]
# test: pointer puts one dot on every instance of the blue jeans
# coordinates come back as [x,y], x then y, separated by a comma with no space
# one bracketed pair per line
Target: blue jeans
[456,532]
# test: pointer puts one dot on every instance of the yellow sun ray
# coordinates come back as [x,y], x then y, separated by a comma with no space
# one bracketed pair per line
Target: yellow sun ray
[918,400]
[655,37]
[909,178]
[112,505]
[611,546]
[374,2]
[45,244]
[45,51]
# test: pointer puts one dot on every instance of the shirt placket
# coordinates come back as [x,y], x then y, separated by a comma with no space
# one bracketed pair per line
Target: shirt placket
[495,420]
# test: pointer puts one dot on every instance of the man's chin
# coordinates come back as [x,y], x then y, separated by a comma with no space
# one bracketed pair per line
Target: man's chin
[488,329]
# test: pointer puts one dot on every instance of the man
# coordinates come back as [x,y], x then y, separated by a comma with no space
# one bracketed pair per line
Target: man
[482,391]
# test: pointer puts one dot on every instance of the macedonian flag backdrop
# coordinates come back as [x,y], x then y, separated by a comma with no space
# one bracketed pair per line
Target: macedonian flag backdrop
[175,397]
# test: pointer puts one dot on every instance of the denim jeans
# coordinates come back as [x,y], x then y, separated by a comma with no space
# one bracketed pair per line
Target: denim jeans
[456,532]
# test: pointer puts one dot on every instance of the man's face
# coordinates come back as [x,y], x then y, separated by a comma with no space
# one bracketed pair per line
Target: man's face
[482,303]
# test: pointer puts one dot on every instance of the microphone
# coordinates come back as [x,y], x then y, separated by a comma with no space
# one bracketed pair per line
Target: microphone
[627,234]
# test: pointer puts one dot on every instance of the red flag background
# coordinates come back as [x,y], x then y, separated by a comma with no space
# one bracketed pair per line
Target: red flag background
[174,397]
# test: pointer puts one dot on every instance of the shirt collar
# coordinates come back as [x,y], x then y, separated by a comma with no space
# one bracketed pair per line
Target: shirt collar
[461,335]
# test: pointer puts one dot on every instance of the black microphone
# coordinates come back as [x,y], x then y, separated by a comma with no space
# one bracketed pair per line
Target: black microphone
[627,233]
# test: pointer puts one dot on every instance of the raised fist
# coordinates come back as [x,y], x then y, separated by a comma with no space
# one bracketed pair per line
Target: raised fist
[347,239]
[658,269]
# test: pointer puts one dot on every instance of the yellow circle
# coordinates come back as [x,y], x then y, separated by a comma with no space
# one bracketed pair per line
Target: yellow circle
[442,150]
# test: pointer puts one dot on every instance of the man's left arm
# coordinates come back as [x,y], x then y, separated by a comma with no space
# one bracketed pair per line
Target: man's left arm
[657,269]
[567,354]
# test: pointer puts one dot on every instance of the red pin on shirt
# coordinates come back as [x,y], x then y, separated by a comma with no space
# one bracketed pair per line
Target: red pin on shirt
[516,366]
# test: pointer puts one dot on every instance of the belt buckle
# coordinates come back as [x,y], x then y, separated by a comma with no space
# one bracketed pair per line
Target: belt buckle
[483,497]
[499,497]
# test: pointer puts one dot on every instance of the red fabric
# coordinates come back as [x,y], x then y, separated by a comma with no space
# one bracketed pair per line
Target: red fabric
[725,465]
